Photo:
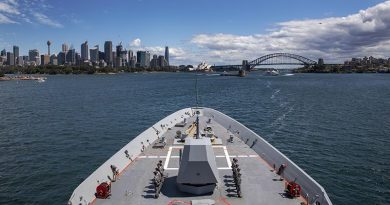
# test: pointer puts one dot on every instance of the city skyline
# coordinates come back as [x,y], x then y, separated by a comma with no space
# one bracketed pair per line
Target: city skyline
[216,32]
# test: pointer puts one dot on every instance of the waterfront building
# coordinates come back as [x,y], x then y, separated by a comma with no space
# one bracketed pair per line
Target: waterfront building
[33,55]
[119,49]
[94,54]
[10,59]
[45,59]
[167,54]
[77,59]
[84,51]
[154,62]
[101,55]
[130,54]
[3,53]
[65,48]
[53,60]
[108,53]
[162,62]
[143,59]
[132,62]
[16,55]
[61,58]
[71,57]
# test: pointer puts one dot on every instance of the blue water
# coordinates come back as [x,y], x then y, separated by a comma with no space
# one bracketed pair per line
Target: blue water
[54,134]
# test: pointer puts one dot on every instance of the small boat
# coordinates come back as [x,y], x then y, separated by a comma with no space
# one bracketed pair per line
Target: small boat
[272,72]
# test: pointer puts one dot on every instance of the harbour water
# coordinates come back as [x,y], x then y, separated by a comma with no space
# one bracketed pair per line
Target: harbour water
[334,126]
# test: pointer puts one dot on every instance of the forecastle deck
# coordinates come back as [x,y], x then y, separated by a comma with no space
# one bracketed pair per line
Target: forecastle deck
[256,157]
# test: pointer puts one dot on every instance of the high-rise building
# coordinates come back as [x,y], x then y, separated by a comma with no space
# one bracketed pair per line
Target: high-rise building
[16,55]
[162,62]
[130,54]
[102,56]
[45,59]
[33,55]
[143,59]
[78,59]
[10,59]
[132,62]
[119,49]
[53,59]
[84,51]
[94,54]
[71,57]
[167,54]
[65,48]
[108,53]
[154,62]
[61,58]
[3,52]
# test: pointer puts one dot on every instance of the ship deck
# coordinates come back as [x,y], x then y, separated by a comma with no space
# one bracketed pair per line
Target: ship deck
[260,184]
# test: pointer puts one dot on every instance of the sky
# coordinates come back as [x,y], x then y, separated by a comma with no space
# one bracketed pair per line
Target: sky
[216,31]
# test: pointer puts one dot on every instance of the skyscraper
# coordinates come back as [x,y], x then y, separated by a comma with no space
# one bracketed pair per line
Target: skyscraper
[71,57]
[10,59]
[61,58]
[143,59]
[84,51]
[64,47]
[16,55]
[167,54]
[33,55]
[94,54]
[108,53]
[119,49]
[3,52]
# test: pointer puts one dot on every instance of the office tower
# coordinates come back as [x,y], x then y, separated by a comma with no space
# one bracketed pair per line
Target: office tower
[130,54]
[10,59]
[94,54]
[3,53]
[162,62]
[33,55]
[16,55]
[108,53]
[84,51]
[53,59]
[48,48]
[167,54]
[132,62]
[143,59]
[119,49]
[154,62]
[64,48]
[71,57]
[61,58]
[45,59]
[78,59]
[102,55]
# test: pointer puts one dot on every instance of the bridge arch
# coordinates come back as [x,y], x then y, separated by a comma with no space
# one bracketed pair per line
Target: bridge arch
[302,60]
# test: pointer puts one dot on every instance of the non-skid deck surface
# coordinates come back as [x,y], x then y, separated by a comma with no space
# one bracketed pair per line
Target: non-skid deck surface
[260,185]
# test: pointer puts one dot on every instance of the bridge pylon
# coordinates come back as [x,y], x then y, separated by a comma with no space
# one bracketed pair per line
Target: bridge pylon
[245,65]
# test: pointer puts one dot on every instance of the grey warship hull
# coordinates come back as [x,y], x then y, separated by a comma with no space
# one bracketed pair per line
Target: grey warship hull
[257,158]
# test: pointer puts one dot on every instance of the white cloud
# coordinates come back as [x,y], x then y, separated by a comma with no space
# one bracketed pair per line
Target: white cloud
[335,39]
[5,20]
[43,19]
[9,7]
[135,43]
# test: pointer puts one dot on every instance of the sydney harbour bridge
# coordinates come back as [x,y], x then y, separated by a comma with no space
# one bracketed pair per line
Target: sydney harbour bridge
[271,60]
